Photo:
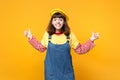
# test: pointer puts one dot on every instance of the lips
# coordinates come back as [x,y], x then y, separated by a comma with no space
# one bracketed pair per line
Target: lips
[58,25]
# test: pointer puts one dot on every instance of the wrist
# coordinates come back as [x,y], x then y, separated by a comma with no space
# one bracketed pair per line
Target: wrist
[29,37]
[92,39]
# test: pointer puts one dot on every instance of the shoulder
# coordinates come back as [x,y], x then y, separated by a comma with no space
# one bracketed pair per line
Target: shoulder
[46,34]
[72,34]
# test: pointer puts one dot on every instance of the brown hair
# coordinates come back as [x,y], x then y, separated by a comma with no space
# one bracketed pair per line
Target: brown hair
[65,28]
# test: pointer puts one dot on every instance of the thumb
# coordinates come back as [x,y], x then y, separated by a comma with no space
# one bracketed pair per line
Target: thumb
[29,32]
[93,34]
[25,33]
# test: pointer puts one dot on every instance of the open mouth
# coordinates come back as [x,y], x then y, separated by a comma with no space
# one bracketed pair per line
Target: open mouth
[58,25]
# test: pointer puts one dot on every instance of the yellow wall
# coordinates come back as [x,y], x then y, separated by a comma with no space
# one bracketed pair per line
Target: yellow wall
[20,61]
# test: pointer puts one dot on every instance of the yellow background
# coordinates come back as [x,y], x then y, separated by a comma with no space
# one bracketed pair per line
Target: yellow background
[20,61]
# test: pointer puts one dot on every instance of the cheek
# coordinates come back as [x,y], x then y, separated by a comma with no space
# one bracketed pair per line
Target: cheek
[62,23]
[53,22]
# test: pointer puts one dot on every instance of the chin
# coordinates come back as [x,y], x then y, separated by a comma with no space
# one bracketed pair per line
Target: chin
[58,28]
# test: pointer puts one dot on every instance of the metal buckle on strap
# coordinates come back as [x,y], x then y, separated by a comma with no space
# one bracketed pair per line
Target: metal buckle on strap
[49,39]
[68,40]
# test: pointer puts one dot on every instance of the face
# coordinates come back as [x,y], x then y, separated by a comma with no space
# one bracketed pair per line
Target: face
[57,23]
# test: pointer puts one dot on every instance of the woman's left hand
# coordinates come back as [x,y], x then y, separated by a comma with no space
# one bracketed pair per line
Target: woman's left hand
[94,36]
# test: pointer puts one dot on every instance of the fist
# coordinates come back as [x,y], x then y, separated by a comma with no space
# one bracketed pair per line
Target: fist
[94,36]
[27,33]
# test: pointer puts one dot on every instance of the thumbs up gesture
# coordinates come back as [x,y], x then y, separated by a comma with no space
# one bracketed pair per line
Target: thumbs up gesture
[27,33]
[94,36]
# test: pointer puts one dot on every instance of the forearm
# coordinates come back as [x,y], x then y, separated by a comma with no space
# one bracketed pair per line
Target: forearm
[84,48]
[37,45]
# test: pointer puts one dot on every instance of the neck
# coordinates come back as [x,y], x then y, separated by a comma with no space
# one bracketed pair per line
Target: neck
[58,31]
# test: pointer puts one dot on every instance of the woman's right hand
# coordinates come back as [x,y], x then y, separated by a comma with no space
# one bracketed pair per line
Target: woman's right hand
[27,33]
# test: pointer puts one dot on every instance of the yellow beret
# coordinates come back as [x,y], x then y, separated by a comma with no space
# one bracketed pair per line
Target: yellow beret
[53,11]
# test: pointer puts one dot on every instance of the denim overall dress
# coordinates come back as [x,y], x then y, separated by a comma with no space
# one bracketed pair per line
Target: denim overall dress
[58,62]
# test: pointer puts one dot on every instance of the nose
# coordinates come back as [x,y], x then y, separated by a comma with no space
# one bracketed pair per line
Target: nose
[58,22]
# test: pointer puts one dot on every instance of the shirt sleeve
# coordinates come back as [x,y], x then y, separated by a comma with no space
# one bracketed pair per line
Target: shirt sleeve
[44,40]
[36,44]
[73,41]
[78,47]
[84,48]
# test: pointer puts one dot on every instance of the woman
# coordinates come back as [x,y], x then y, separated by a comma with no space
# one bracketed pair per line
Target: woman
[58,40]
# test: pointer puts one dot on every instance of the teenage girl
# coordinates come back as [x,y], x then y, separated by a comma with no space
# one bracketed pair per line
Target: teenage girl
[58,40]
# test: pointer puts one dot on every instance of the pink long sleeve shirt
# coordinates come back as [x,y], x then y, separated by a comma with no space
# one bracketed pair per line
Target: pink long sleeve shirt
[81,48]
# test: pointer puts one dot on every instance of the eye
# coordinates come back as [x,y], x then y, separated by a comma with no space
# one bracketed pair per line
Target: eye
[54,19]
[61,19]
